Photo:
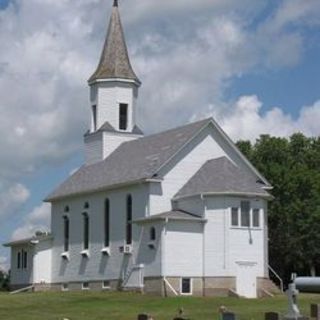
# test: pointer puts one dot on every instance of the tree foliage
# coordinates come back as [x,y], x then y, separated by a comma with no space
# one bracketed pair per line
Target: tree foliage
[292,166]
[4,281]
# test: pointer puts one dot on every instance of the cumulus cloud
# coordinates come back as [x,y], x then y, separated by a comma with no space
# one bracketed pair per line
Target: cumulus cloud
[247,122]
[4,264]
[37,220]
[184,51]
[12,198]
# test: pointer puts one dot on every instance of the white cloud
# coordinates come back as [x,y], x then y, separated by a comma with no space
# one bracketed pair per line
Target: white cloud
[4,264]
[185,52]
[247,122]
[12,197]
[37,220]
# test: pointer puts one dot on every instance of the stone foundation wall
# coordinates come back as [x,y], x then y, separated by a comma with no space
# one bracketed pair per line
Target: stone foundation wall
[217,286]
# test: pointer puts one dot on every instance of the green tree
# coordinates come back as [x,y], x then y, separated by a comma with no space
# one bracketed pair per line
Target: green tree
[292,166]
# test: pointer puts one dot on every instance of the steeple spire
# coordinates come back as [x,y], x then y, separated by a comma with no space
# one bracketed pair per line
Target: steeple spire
[114,61]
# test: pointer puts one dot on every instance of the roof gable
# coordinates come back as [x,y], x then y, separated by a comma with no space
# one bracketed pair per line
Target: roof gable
[221,176]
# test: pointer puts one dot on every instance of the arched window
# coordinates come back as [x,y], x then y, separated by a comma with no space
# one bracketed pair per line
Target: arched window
[66,209]
[86,205]
[129,220]
[85,231]
[153,234]
[66,226]
[107,223]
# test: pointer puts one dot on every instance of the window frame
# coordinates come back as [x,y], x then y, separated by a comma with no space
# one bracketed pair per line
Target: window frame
[123,116]
[190,286]
[85,285]
[19,260]
[129,215]
[256,212]
[107,223]
[86,231]
[152,234]
[246,212]
[66,233]
[94,117]
[232,211]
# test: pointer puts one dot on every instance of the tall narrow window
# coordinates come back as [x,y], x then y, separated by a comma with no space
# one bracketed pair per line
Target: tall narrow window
[107,223]
[123,116]
[256,218]
[66,225]
[235,217]
[85,231]
[153,234]
[19,260]
[129,219]
[25,259]
[94,117]
[245,214]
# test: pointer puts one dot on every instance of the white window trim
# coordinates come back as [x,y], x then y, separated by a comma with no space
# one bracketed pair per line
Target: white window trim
[191,287]
[106,251]
[65,255]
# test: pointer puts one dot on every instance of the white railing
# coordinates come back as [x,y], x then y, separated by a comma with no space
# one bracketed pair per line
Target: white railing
[277,276]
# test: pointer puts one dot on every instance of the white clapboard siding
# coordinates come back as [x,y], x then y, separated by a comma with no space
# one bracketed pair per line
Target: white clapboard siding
[183,249]
[97,266]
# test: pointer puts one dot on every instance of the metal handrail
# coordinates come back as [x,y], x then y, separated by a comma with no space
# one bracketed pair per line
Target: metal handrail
[277,276]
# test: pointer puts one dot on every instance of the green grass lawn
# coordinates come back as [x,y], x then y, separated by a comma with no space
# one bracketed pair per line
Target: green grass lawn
[126,306]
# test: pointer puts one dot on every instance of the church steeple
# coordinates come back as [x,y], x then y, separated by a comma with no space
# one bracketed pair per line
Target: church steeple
[114,62]
[114,90]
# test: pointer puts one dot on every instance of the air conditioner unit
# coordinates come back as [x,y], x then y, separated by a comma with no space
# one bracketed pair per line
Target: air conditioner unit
[127,249]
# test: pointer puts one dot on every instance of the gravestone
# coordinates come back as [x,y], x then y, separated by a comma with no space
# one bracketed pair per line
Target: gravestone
[272,316]
[144,316]
[228,316]
[315,311]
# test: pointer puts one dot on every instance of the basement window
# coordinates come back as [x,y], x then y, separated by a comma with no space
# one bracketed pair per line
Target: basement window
[186,286]
[65,287]
[85,286]
[106,284]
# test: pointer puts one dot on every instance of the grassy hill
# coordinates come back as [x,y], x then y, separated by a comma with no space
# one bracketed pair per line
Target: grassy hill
[126,306]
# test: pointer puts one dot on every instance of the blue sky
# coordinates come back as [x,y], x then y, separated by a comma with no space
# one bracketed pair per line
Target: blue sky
[252,64]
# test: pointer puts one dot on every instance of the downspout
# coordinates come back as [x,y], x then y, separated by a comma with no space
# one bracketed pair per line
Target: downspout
[203,247]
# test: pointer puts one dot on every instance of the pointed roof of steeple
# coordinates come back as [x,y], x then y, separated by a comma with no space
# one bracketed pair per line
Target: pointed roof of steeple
[114,61]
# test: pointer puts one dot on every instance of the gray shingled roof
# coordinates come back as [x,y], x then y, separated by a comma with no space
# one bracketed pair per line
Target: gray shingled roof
[132,161]
[172,215]
[222,176]
[29,240]
[114,61]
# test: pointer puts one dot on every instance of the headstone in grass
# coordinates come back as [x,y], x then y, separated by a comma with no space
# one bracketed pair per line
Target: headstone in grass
[228,316]
[144,316]
[315,311]
[272,316]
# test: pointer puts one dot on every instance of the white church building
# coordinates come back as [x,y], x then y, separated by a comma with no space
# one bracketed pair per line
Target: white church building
[181,212]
